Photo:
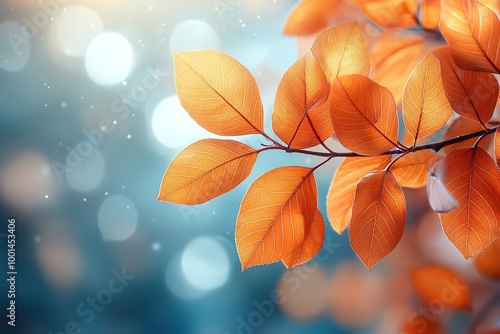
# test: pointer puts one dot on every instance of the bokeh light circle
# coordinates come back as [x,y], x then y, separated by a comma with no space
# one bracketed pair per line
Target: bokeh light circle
[77,26]
[89,174]
[117,218]
[109,59]
[194,35]
[172,125]
[205,263]
[15,46]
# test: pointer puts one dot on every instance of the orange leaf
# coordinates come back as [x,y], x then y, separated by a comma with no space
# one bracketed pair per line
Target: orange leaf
[425,106]
[218,92]
[430,12]
[390,13]
[411,169]
[363,115]
[313,241]
[311,16]
[471,94]
[472,178]
[462,126]
[378,217]
[342,50]
[418,324]
[273,216]
[435,284]
[497,147]
[205,170]
[343,187]
[300,109]
[473,32]
[487,262]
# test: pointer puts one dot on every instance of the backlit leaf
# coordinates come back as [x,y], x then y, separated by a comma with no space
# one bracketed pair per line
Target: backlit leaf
[473,33]
[300,109]
[438,284]
[205,170]
[473,179]
[411,169]
[425,106]
[497,147]
[342,50]
[391,13]
[274,214]
[340,196]
[472,94]
[313,241]
[378,217]
[461,126]
[430,13]
[311,16]
[218,92]
[363,115]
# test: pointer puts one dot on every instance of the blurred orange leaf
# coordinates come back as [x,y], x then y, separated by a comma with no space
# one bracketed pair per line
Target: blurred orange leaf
[378,217]
[473,32]
[391,13]
[425,106]
[343,187]
[363,115]
[497,147]
[342,50]
[313,241]
[301,112]
[418,324]
[487,262]
[435,284]
[218,92]
[311,16]
[461,126]
[430,14]
[274,214]
[205,170]
[472,94]
[411,169]
[472,178]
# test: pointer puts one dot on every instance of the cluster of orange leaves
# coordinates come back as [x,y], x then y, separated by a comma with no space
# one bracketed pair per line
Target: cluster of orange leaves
[337,89]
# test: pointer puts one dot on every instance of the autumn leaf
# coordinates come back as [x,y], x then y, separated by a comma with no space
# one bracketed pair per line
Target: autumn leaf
[435,283]
[425,106]
[340,196]
[487,261]
[311,16]
[378,217]
[342,50]
[391,13]
[461,126]
[218,92]
[472,178]
[430,13]
[274,214]
[205,170]
[301,113]
[419,324]
[313,241]
[363,115]
[472,31]
[411,169]
[472,94]
[497,147]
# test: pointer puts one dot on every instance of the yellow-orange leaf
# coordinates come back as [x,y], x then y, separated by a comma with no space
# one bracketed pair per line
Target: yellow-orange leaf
[473,33]
[462,126]
[342,50]
[364,115]
[430,13]
[218,92]
[311,16]
[487,262]
[205,170]
[472,94]
[425,106]
[411,169]
[472,178]
[343,187]
[390,13]
[274,214]
[497,147]
[301,113]
[378,217]
[313,241]
[435,283]
[420,324]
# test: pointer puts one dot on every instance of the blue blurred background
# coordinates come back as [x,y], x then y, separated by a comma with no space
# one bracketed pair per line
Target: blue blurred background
[89,121]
